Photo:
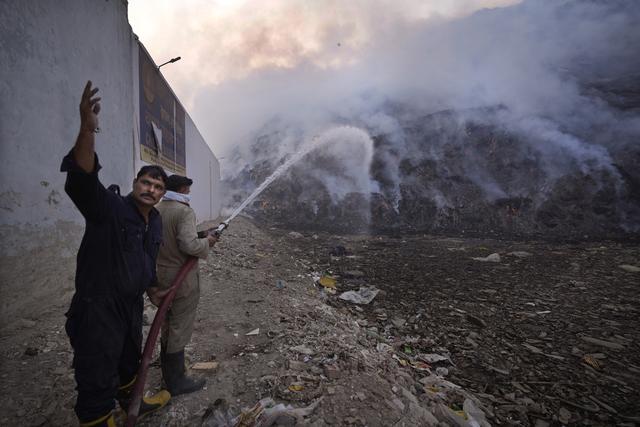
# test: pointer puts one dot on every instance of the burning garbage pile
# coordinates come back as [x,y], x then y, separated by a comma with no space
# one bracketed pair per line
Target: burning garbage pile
[326,182]
[478,126]
[457,173]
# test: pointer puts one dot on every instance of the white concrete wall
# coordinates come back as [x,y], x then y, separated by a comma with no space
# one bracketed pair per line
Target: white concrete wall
[49,50]
[205,191]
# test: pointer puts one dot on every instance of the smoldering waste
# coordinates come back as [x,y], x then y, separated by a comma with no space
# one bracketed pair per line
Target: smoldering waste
[457,173]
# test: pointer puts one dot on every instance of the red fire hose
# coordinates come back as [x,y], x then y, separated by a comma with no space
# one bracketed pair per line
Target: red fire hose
[138,388]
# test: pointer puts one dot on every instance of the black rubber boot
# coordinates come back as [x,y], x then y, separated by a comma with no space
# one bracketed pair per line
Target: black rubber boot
[173,373]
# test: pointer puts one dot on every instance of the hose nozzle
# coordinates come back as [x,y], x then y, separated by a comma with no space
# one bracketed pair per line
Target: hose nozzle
[218,231]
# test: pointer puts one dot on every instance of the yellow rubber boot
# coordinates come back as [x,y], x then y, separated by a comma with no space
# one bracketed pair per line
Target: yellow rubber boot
[149,403]
[105,421]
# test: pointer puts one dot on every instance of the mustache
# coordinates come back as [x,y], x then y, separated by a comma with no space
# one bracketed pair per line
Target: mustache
[148,194]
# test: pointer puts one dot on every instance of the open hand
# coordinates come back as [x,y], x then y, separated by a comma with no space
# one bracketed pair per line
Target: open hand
[89,109]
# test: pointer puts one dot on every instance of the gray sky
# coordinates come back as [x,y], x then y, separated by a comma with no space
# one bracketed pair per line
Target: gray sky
[238,55]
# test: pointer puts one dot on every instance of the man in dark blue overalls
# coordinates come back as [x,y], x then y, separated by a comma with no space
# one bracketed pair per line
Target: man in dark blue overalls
[115,266]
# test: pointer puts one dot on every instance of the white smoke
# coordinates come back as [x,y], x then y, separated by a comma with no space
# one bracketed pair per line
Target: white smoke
[345,154]
[372,63]
[516,57]
[342,162]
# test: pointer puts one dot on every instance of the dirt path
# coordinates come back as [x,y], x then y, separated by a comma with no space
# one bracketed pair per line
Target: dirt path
[547,335]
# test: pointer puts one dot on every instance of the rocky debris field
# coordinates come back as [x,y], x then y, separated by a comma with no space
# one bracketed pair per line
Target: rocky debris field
[300,328]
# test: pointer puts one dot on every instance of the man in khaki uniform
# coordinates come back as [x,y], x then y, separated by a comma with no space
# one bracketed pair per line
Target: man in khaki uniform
[180,240]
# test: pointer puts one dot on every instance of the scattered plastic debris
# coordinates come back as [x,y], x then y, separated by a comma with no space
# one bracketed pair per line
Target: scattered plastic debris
[439,382]
[442,371]
[434,358]
[265,413]
[328,282]
[488,258]
[421,366]
[564,415]
[406,348]
[520,254]
[302,350]
[298,387]
[383,348]
[402,362]
[591,361]
[364,295]
[630,268]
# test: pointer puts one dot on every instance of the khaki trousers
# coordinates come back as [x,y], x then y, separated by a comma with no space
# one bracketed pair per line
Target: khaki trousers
[178,325]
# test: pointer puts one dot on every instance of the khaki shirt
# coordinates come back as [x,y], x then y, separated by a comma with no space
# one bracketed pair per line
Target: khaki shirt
[179,241]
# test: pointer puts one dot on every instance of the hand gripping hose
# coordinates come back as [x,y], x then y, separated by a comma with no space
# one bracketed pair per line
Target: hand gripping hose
[138,388]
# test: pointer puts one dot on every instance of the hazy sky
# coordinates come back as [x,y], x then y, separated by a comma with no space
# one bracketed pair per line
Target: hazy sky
[298,67]
[226,41]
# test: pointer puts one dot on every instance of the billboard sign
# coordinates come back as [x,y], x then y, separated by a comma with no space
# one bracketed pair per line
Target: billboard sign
[162,119]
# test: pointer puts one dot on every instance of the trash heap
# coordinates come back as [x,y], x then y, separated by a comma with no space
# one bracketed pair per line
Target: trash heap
[334,368]
[321,365]
[430,361]
[343,331]
[462,172]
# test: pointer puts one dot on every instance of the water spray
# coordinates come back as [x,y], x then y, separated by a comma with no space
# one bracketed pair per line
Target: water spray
[279,171]
[316,142]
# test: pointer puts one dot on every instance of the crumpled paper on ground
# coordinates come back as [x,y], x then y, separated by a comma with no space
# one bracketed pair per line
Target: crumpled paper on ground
[364,295]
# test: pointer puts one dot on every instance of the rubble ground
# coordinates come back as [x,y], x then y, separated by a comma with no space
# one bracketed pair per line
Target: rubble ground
[461,330]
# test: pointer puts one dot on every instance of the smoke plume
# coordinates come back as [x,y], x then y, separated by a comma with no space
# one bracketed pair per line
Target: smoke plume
[553,74]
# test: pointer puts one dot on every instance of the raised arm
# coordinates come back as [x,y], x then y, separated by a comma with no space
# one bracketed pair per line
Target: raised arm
[84,149]
[81,164]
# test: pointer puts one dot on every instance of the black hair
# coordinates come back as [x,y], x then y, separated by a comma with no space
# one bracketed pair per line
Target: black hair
[176,182]
[154,171]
